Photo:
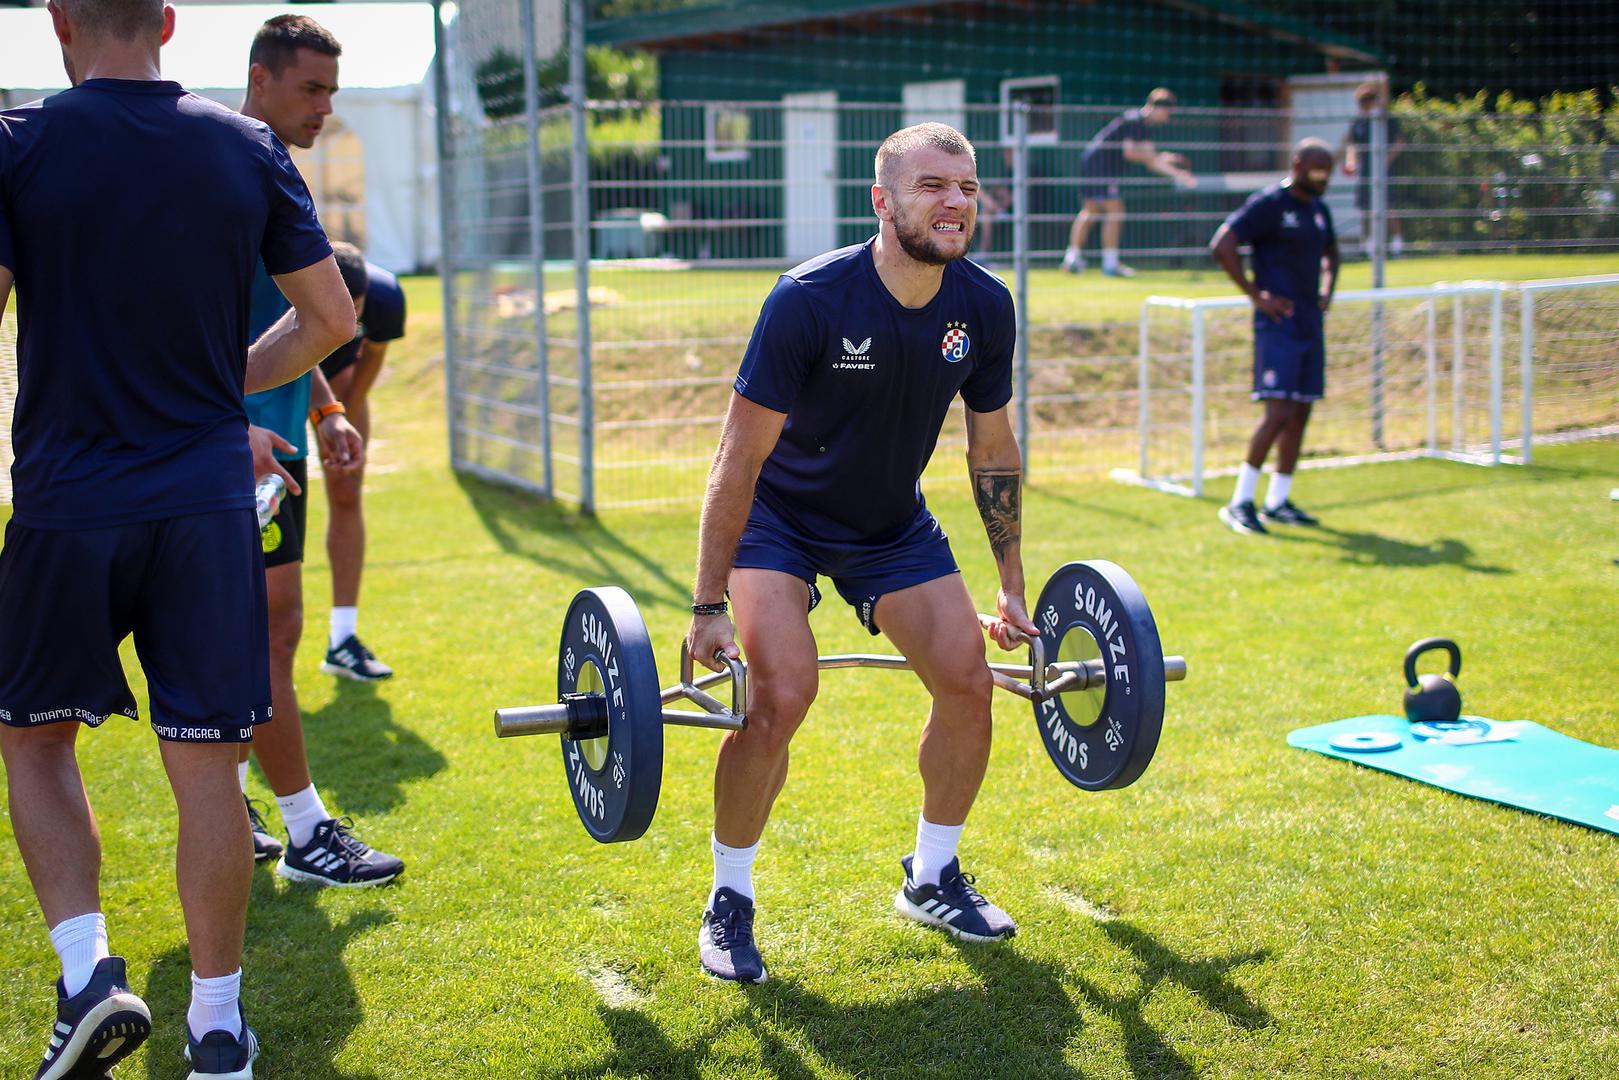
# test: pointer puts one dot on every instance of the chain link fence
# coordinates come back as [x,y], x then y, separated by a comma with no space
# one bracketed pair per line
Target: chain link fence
[673,218]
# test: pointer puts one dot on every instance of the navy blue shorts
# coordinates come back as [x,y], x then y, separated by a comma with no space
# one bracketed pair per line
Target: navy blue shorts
[191,591]
[1290,357]
[283,538]
[1100,191]
[863,573]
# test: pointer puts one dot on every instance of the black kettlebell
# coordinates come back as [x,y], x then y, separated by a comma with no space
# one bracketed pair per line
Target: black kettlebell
[1433,697]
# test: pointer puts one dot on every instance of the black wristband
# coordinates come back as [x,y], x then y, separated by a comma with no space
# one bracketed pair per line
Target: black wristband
[718,608]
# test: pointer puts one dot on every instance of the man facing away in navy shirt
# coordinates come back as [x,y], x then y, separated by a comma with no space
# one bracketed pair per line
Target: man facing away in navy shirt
[131,216]
[852,368]
[1295,257]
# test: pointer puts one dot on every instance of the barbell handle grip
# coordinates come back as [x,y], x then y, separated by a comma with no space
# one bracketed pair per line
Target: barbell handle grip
[1037,654]
[707,702]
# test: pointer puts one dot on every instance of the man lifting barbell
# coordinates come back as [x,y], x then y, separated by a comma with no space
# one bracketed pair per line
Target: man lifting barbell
[854,362]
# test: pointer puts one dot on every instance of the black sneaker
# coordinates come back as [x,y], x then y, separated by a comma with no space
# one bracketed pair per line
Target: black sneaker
[953,905]
[725,942]
[352,660]
[335,856]
[220,1056]
[1242,518]
[95,1028]
[1288,514]
[265,846]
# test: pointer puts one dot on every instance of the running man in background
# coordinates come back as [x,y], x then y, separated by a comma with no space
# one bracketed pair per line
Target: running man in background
[352,371]
[292,76]
[1102,166]
[1295,258]
[131,216]
[1357,154]
[852,368]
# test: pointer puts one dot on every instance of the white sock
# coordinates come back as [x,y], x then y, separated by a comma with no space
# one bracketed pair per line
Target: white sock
[214,1005]
[1071,255]
[1276,494]
[935,847]
[1247,484]
[241,775]
[344,621]
[301,812]
[1110,258]
[733,869]
[81,943]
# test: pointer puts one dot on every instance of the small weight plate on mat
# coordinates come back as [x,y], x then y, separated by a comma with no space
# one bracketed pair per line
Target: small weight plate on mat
[1102,737]
[1450,729]
[1365,742]
[614,779]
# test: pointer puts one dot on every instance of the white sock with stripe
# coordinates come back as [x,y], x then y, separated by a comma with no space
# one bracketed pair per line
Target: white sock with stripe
[733,869]
[935,847]
[302,811]
[81,943]
[213,1005]
[1276,493]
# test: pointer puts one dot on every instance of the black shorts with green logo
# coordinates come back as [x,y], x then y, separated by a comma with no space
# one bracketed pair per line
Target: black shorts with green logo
[284,536]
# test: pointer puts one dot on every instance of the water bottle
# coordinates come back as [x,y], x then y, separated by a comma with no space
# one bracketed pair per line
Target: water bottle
[267,498]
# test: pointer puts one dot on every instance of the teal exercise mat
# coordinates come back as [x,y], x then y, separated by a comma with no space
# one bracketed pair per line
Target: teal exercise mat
[1519,764]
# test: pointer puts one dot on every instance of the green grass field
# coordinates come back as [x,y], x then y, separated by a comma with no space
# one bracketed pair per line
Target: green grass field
[1245,910]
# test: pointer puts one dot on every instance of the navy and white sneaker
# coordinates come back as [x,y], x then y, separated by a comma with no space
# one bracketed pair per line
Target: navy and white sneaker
[953,905]
[220,1056]
[335,856]
[352,660]
[1243,518]
[1288,514]
[265,846]
[725,942]
[95,1028]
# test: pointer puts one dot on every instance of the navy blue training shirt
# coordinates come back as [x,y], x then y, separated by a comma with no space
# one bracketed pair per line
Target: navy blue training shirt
[1288,238]
[132,215]
[866,384]
[1104,154]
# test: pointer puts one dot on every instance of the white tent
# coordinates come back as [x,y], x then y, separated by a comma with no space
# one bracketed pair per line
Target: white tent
[386,99]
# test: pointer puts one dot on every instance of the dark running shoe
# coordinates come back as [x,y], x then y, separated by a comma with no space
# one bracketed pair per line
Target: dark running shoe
[335,856]
[95,1028]
[1242,518]
[1288,514]
[352,660]
[725,942]
[953,905]
[220,1056]
[265,846]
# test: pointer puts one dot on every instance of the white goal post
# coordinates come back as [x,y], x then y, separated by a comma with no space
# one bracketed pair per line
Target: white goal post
[1411,372]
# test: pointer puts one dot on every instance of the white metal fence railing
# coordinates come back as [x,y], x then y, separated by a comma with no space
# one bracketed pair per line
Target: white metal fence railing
[1411,372]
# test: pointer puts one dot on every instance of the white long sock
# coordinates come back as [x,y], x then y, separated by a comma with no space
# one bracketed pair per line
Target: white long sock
[301,812]
[344,622]
[1110,258]
[1276,494]
[81,943]
[1247,484]
[733,869]
[241,775]
[935,847]
[1071,255]
[214,1005]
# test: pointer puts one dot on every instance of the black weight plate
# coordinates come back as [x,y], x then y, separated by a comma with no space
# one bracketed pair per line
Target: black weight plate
[1101,738]
[614,780]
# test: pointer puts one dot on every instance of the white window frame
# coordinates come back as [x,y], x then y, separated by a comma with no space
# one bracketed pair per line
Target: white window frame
[713,150]
[1010,86]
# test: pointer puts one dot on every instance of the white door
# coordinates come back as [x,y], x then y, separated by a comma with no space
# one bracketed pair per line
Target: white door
[1323,106]
[810,132]
[944,101]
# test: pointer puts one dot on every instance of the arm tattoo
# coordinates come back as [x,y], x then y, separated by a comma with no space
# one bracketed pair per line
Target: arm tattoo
[999,504]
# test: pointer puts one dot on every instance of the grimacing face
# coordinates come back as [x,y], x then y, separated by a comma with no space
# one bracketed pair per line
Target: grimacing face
[934,201]
[297,102]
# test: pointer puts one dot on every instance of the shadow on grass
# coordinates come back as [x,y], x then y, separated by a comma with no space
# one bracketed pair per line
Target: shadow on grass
[1017,1018]
[565,541]
[1371,549]
[296,992]
[360,756]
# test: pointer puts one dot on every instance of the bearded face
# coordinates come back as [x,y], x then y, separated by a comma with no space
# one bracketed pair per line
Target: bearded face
[934,206]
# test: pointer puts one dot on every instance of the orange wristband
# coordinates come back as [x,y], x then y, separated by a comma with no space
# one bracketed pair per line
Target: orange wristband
[316,415]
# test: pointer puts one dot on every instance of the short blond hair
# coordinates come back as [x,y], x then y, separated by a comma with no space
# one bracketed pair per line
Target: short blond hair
[905,140]
[1162,96]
